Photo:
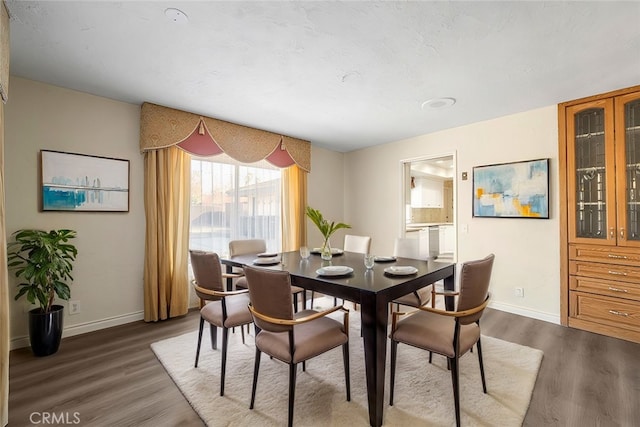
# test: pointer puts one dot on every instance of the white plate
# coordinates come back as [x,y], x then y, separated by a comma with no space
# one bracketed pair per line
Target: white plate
[266,261]
[334,251]
[267,255]
[334,270]
[401,270]
[384,259]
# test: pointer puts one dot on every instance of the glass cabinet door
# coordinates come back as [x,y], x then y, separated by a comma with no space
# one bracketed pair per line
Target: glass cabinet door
[591,173]
[628,168]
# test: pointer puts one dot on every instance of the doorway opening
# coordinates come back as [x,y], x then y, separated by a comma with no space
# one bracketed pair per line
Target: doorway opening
[429,204]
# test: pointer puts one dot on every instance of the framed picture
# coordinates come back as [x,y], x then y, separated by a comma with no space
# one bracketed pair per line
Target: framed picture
[79,182]
[512,190]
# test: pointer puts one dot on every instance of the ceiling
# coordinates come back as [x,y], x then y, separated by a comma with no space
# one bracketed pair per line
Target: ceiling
[344,75]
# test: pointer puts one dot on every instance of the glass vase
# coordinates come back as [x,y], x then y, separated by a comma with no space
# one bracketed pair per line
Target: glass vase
[325,251]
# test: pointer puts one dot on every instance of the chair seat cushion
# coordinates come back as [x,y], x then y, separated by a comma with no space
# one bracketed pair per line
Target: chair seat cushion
[434,332]
[411,300]
[310,339]
[237,311]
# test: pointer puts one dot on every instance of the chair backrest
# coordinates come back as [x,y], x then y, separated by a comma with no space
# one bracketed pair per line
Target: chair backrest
[406,248]
[270,294]
[247,246]
[359,244]
[207,272]
[474,286]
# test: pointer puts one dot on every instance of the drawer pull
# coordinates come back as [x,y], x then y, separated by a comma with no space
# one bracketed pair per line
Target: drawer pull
[618,290]
[619,313]
[617,256]
[617,273]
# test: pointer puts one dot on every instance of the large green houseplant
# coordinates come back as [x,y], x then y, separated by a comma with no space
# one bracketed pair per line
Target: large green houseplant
[326,228]
[44,260]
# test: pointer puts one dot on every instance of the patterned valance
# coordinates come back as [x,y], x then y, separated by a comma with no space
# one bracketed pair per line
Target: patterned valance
[161,127]
[4,53]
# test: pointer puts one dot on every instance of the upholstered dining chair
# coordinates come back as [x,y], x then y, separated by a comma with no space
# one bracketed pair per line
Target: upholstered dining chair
[358,244]
[410,248]
[449,333]
[288,337]
[223,309]
[258,246]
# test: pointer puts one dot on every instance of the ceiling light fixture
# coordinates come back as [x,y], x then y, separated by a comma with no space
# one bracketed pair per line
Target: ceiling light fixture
[438,103]
[176,15]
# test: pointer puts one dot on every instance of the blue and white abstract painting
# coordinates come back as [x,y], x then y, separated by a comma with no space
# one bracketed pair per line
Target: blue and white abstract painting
[78,182]
[517,190]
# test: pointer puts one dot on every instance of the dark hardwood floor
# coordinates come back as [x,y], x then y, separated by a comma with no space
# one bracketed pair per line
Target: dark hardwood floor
[112,378]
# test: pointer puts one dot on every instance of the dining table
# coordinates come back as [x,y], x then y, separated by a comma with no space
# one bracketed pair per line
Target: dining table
[373,289]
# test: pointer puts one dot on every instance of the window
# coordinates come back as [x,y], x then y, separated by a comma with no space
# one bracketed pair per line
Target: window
[232,200]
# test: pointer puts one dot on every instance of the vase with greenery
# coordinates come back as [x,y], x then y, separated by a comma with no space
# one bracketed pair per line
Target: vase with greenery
[326,228]
[44,260]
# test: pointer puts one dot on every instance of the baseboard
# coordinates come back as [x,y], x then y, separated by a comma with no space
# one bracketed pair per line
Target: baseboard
[83,328]
[547,317]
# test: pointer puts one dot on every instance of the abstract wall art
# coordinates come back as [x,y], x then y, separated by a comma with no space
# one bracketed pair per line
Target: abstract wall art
[80,182]
[512,190]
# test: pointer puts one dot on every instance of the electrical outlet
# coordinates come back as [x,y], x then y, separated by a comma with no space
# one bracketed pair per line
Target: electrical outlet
[519,292]
[74,307]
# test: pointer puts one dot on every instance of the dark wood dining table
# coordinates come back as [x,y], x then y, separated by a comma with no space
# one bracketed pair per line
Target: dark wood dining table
[373,290]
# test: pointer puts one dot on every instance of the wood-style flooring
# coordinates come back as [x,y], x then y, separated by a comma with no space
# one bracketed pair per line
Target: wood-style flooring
[112,378]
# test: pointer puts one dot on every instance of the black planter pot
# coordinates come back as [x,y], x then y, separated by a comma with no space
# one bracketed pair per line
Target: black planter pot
[45,330]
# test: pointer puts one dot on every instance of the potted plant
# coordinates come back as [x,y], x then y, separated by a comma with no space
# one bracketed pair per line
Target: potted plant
[326,229]
[44,261]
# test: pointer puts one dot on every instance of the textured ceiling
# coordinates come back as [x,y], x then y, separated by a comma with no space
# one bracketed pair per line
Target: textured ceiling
[344,75]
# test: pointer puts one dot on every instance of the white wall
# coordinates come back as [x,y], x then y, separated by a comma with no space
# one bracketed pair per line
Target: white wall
[109,267]
[527,250]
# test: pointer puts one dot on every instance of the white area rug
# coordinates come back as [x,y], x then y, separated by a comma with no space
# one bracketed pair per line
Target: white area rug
[423,395]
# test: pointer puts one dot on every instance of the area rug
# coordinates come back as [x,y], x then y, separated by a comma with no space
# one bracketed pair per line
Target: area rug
[423,394]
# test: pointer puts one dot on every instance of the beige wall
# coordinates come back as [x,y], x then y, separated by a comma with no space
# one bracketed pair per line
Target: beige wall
[362,188]
[108,271]
[527,250]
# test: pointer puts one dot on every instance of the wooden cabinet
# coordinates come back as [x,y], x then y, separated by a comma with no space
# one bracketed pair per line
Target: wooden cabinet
[599,155]
[427,193]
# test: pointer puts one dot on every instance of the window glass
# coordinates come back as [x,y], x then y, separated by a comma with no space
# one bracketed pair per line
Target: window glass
[232,200]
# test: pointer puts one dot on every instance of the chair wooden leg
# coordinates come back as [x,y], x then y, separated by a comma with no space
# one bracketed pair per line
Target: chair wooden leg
[223,369]
[256,368]
[455,379]
[292,391]
[295,303]
[484,384]
[213,329]
[430,356]
[392,375]
[199,341]
[347,374]
[242,332]
[304,366]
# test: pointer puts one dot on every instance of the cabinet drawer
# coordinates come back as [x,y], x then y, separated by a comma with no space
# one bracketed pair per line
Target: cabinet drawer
[605,287]
[604,310]
[616,273]
[605,254]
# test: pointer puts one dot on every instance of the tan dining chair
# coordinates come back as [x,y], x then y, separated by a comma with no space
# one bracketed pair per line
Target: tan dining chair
[410,248]
[449,333]
[291,337]
[258,246]
[222,309]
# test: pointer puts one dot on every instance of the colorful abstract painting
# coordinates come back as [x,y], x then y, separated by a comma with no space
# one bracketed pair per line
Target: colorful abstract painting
[79,182]
[516,190]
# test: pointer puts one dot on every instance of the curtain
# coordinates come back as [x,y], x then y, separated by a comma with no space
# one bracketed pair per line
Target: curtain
[294,203]
[166,202]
